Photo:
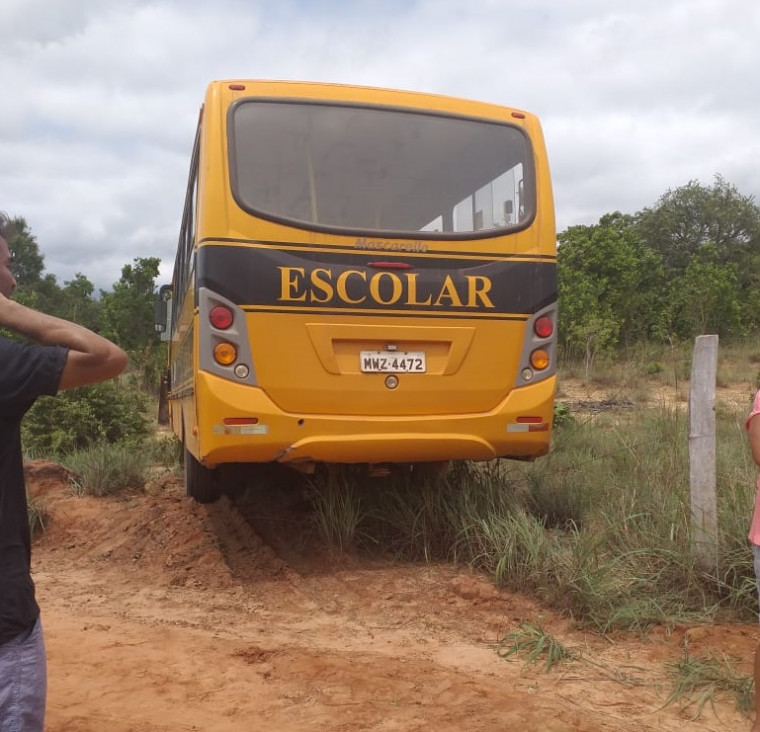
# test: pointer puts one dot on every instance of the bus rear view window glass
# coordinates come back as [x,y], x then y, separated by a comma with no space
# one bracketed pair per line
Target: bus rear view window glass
[380,169]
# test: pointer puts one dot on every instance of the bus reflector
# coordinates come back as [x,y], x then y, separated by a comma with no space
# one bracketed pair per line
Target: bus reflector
[221,317]
[527,427]
[240,420]
[544,327]
[225,353]
[539,359]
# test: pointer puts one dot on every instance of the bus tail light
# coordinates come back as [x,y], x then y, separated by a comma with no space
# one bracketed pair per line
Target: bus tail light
[543,327]
[225,353]
[224,347]
[220,317]
[538,357]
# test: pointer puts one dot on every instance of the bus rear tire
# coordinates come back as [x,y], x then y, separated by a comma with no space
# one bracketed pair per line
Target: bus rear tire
[201,483]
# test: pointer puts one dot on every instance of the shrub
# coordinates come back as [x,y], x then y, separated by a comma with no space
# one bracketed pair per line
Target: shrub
[167,451]
[107,470]
[562,414]
[76,419]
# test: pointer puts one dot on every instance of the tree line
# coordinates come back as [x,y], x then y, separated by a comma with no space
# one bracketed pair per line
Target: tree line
[686,266]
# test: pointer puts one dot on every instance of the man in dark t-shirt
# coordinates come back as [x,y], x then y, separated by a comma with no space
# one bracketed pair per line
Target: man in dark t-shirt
[64,355]
[26,372]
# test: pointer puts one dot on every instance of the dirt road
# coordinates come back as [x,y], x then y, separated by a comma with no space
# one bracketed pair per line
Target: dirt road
[165,615]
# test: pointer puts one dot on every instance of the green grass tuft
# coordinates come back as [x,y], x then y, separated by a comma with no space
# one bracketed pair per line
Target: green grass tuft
[108,470]
[37,516]
[699,680]
[536,644]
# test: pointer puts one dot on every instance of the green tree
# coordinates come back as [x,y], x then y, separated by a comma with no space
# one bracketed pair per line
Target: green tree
[47,295]
[704,299]
[35,288]
[595,335]
[79,304]
[685,219]
[127,317]
[28,264]
[609,283]
[714,231]
[128,309]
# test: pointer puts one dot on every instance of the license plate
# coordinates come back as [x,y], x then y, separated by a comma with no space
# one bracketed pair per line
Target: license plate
[392,362]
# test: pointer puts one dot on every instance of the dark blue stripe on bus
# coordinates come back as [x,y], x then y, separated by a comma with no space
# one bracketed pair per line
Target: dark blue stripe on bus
[283,278]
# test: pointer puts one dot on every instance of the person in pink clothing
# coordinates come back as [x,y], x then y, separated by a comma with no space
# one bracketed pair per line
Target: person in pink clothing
[752,426]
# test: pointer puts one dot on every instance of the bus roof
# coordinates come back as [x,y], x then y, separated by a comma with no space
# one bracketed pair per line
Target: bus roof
[231,89]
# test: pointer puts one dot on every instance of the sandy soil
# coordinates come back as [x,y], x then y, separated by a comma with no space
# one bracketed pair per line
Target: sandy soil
[583,397]
[161,614]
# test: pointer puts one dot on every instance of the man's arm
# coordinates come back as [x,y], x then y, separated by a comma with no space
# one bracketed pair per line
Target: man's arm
[91,357]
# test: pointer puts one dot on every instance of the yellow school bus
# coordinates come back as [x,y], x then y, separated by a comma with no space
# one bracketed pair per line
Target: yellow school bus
[363,276]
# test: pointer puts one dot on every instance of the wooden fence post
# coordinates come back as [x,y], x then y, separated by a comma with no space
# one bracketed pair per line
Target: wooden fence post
[704,509]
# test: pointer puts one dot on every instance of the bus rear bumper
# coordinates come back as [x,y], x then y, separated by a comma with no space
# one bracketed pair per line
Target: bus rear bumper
[277,436]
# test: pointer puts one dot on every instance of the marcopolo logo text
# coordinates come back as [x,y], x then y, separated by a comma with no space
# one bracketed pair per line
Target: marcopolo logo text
[390,246]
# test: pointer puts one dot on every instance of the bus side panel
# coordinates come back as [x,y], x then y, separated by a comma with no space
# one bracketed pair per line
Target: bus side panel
[183,357]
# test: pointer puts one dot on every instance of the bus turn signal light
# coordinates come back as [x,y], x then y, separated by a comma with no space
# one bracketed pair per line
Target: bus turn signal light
[225,353]
[539,359]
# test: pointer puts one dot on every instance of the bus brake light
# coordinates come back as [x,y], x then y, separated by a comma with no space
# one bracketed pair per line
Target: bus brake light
[544,327]
[220,317]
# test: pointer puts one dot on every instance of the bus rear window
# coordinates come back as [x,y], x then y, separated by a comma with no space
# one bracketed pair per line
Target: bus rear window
[379,169]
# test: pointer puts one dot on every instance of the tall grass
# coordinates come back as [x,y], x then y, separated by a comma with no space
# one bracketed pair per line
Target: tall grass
[599,529]
[338,510]
[109,469]
[36,515]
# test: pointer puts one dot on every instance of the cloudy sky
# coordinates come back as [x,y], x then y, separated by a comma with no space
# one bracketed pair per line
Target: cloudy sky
[101,97]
